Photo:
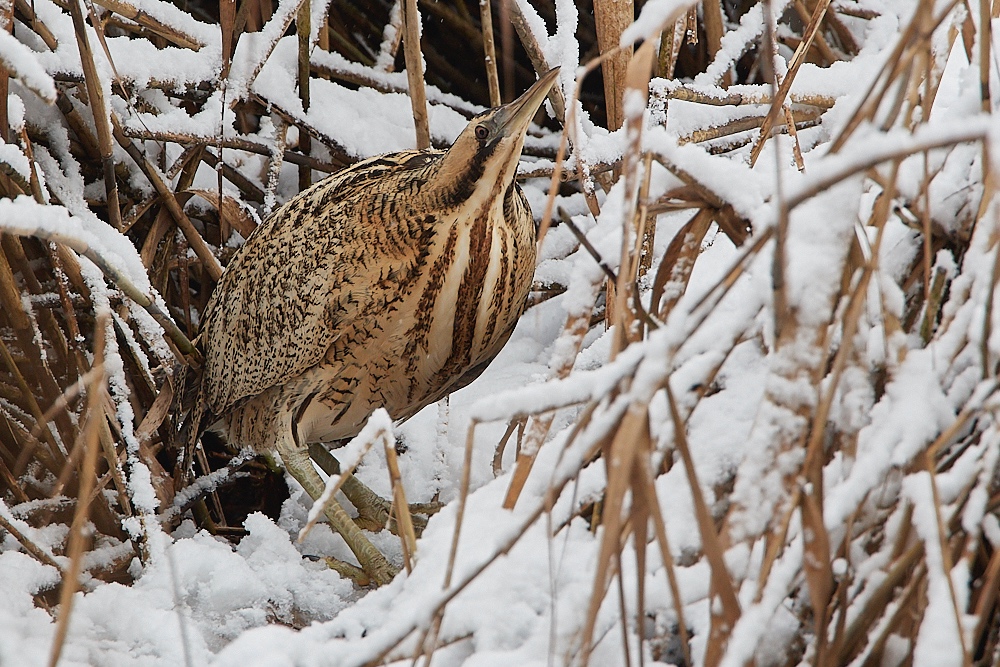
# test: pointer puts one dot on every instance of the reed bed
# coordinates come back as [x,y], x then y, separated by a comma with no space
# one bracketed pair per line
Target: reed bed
[859,524]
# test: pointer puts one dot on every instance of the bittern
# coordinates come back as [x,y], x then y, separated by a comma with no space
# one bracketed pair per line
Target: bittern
[388,284]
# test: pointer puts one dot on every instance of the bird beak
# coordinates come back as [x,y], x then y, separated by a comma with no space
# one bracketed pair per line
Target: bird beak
[513,118]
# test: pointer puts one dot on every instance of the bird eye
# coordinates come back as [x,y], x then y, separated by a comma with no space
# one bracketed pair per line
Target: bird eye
[482,132]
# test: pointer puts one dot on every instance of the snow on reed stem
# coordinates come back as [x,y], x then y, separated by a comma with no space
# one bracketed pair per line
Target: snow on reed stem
[101,112]
[391,37]
[778,102]
[530,30]
[634,173]
[87,477]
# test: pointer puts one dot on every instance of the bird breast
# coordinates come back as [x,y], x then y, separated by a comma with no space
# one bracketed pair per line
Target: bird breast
[454,319]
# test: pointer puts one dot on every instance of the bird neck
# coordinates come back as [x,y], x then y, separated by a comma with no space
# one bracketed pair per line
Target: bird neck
[466,175]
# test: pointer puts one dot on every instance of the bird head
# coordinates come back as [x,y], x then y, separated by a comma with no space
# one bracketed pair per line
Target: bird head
[484,157]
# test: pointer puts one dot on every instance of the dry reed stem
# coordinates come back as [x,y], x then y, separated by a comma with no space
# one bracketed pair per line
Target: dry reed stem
[536,55]
[111,457]
[415,72]
[793,133]
[208,260]
[227,26]
[497,464]
[659,526]
[713,24]
[778,102]
[826,53]
[236,143]
[670,47]
[587,245]
[89,437]
[677,264]
[170,33]
[265,54]
[986,605]
[34,550]
[400,508]
[392,34]
[101,112]
[722,97]
[793,121]
[118,277]
[26,10]
[624,291]
[274,166]
[724,618]
[947,562]
[33,181]
[612,17]
[302,29]
[914,39]
[490,51]
[631,442]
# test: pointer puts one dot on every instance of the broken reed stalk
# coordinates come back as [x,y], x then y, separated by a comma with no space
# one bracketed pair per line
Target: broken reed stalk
[415,72]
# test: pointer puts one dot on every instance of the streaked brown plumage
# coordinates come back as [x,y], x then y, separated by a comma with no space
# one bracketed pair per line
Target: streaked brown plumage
[389,284]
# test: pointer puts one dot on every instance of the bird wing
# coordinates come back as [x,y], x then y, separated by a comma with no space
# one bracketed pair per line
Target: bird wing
[315,267]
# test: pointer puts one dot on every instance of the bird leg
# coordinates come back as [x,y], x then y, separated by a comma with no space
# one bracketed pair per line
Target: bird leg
[373,510]
[299,466]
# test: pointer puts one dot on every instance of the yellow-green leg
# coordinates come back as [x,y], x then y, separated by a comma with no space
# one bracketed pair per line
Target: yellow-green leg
[299,465]
[373,509]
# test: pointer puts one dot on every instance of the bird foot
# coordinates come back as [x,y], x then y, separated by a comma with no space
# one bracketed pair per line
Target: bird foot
[374,564]
[373,513]
[373,509]
[359,576]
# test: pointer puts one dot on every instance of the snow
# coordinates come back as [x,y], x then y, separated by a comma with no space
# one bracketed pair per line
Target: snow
[939,641]
[11,155]
[653,19]
[23,64]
